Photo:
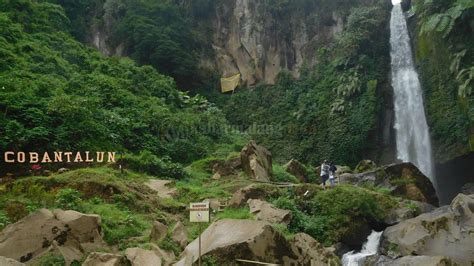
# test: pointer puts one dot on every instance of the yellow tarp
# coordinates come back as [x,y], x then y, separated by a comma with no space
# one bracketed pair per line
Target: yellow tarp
[230,83]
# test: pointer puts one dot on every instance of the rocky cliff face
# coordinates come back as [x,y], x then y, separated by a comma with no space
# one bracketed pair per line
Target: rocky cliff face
[257,39]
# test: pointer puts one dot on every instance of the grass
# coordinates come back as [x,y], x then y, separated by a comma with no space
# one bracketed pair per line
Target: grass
[118,224]
[333,214]
[116,199]
[281,175]
[234,213]
[283,229]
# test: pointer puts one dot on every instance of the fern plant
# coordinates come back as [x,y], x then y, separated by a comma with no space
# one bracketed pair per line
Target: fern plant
[443,22]
[465,76]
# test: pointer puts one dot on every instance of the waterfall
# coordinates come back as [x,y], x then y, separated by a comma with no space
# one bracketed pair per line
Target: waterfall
[412,135]
[369,248]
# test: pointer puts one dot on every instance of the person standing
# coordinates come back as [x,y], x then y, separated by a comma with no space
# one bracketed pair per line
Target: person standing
[324,173]
[332,174]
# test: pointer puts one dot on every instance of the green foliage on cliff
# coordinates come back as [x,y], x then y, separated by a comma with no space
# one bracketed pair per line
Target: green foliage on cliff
[156,33]
[445,54]
[337,214]
[332,110]
[57,94]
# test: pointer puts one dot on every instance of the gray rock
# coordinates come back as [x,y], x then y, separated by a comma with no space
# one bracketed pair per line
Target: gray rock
[242,195]
[142,257]
[179,234]
[407,209]
[104,259]
[230,239]
[311,252]
[73,234]
[446,231]
[265,211]
[420,260]
[403,180]
[294,167]
[62,170]
[226,168]
[376,260]
[158,231]
[256,161]
[167,257]
[10,262]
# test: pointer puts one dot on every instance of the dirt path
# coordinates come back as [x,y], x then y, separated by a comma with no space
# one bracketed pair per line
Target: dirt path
[162,188]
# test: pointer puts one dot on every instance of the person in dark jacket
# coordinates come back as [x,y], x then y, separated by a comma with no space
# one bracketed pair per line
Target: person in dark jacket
[332,174]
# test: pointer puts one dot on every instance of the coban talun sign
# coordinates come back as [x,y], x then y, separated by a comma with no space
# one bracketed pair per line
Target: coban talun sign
[58,157]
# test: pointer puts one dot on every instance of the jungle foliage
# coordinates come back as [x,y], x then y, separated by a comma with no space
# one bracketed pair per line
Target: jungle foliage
[58,94]
[332,110]
[445,54]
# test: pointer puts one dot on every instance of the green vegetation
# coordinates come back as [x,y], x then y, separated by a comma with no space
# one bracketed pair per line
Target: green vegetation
[86,190]
[332,111]
[334,214]
[56,93]
[51,259]
[281,175]
[235,213]
[156,33]
[444,38]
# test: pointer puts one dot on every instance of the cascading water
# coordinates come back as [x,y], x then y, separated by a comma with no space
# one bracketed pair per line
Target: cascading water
[412,135]
[368,249]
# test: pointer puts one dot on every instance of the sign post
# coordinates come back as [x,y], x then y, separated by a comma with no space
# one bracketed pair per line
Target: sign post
[199,213]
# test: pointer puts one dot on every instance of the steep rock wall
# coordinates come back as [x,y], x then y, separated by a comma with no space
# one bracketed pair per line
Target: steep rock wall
[251,38]
[257,39]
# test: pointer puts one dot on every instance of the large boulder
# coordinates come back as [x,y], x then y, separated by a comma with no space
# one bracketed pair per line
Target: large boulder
[403,180]
[73,234]
[104,259]
[142,257]
[256,161]
[420,260]
[227,167]
[311,252]
[179,234]
[294,167]
[10,262]
[158,231]
[229,239]
[242,195]
[407,209]
[408,261]
[265,211]
[167,257]
[446,231]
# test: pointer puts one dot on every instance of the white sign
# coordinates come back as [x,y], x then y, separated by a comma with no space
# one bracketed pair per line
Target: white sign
[199,212]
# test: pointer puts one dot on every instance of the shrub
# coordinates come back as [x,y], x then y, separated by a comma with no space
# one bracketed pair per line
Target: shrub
[147,162]
[15,211]
[4,220]
[334,214]
[280,175]
[169,245]
[118,225]
[68,199]
[51,260]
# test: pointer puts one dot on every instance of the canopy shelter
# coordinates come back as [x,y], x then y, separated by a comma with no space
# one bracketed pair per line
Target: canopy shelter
[230,83]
